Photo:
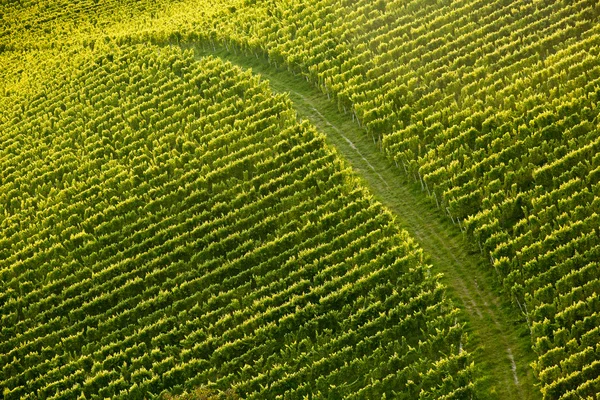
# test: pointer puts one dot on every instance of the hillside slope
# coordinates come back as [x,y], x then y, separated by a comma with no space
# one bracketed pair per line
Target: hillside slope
[498,337]
[167,223]
[490,106]
[493,108]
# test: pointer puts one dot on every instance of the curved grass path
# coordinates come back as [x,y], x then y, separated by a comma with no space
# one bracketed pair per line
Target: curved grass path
[498,336]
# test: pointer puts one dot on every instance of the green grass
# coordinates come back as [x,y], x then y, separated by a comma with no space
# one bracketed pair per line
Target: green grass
[498,334]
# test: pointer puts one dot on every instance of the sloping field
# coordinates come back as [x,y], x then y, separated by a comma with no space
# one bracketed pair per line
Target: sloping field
[169,224]
[498,337]
[492,106]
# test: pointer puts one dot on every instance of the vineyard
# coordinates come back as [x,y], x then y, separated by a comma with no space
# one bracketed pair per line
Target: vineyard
[178,227]
[168,222]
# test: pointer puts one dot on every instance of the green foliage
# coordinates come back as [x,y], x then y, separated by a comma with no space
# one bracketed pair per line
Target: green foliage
[492,108]
[499,127]
[190,232]
[203,394]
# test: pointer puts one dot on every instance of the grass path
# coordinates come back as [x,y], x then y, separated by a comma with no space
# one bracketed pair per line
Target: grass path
[499,337]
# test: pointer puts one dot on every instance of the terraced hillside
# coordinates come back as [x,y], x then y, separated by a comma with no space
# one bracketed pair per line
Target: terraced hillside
[168,223]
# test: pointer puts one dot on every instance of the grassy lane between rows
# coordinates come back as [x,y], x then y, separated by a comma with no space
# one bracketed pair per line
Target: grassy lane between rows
[498,335]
